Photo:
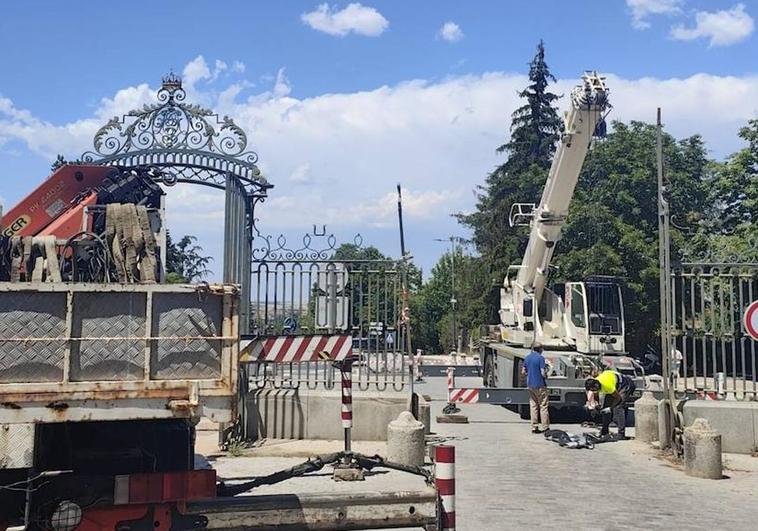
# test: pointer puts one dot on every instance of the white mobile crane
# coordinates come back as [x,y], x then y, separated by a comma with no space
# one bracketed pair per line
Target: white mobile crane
[580,324]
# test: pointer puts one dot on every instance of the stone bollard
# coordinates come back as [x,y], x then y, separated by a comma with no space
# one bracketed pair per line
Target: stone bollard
[646,418]
[405,440]
[702,451]
[425,416]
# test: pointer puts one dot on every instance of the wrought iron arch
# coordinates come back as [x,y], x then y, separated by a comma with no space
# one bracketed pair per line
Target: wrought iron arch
[187,143]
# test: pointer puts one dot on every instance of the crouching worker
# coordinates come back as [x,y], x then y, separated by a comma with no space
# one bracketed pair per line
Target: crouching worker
[614,389]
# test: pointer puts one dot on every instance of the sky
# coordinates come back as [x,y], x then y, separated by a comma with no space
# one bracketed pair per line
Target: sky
[344,100]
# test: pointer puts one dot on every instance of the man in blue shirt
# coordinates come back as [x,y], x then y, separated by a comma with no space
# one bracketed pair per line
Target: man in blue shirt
[535,370]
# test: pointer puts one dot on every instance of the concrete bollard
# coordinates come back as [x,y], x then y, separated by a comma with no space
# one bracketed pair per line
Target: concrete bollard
[646,418]
[405,440]
[702,451]
[425,416]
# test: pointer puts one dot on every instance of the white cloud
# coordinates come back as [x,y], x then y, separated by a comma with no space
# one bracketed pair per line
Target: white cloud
[355,18]
[335,158]
[642,9]
[451,32]
[722,28]
[302,174]
[281,85]
[194,71]
[199,70]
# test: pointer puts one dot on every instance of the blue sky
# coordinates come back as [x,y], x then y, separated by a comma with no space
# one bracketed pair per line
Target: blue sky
[343,103]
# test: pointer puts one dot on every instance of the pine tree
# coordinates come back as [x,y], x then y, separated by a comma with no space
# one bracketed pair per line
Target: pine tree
[535,129]
[535,126]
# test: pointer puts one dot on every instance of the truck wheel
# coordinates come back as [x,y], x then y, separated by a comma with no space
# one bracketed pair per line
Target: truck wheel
[523,412]
[488,378]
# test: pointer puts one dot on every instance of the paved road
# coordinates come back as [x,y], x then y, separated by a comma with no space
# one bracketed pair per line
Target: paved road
[510,478]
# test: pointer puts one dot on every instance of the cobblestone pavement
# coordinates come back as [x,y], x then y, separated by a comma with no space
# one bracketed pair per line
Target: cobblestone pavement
[508,478]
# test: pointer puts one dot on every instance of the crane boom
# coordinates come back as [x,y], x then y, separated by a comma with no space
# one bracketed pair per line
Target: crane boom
[524,286]
[588,104]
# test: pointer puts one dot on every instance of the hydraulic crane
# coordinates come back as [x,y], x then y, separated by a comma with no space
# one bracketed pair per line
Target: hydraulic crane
[584,316]
[579,323]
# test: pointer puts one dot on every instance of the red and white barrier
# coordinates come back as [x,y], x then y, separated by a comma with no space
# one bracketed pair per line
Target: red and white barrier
[467,396]
[450,383]
[444,477]
[295,349]
[708,395]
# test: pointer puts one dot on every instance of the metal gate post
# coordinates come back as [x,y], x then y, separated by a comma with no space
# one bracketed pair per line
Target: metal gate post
[331,284]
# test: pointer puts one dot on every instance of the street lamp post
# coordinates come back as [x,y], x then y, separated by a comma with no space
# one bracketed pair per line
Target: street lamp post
[453,300]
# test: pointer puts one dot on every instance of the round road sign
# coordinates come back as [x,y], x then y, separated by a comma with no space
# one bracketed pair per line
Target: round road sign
[751,320]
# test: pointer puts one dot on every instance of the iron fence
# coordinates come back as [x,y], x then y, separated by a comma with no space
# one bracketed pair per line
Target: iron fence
[313,290]
[712,352]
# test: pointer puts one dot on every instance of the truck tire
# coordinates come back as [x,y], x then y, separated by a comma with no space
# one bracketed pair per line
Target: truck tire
[523,412]
[488,372]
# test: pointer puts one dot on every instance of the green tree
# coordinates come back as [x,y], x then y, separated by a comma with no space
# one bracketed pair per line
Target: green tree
[185,261]
[735,190]
[535,129]
[612,227]
[729,232]
[612,224]
[432,319]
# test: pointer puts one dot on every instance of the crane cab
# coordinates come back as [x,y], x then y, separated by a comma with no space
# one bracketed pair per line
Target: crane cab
[594,315]
[586,316]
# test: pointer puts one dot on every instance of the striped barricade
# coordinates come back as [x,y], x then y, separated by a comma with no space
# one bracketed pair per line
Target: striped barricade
[297,349]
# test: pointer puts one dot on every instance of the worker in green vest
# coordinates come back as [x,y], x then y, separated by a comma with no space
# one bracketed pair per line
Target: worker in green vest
[613,390]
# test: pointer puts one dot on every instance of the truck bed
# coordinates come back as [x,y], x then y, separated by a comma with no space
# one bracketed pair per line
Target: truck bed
[74,352]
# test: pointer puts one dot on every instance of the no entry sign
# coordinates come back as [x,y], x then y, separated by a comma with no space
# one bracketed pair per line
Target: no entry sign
[751,320]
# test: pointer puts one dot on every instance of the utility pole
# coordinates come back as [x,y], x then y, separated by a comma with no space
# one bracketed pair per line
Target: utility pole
[453,300]
[664,256]
[405,312]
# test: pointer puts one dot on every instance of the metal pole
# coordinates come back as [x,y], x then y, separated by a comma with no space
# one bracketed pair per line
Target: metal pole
[331,284]
[664,256]
[400,218]
[162,236]
[347,401]
[405,312]
[452,295]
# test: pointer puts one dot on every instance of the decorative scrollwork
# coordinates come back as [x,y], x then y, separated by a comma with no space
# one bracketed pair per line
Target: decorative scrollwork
[171,129]
[732,249]
[316,247]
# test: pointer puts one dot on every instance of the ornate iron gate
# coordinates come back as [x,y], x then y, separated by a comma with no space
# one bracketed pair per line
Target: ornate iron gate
[315,289]
[186,143]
